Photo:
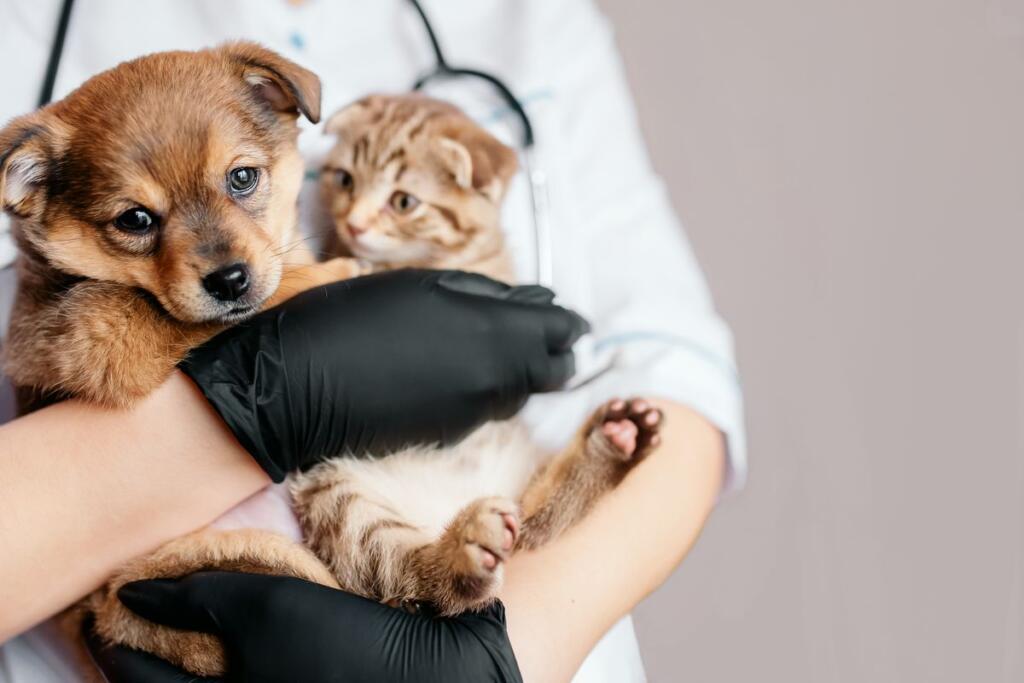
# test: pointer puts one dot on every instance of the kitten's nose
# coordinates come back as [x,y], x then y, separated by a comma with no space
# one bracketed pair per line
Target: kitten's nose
[355,228]
[228,284]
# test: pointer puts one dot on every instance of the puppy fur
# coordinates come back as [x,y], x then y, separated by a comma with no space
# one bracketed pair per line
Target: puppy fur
[105,314]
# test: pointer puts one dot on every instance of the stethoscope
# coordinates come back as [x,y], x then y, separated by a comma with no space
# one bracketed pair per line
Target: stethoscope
[538,182]
[442,70]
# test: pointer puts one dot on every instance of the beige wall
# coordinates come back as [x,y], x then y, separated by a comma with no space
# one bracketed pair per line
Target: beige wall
[852,176]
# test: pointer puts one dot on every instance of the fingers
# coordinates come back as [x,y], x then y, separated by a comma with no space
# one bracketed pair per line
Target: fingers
[495,611]
[123,665]
[562,327]
[190,603]
[552,372]
[120,664]
[562,368]
[472,283]
[532,294]
[481,285]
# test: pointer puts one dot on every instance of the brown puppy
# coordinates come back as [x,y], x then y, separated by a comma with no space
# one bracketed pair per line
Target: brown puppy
[152,206]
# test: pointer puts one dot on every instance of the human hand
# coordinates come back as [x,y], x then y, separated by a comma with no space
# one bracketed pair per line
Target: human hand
[375,363]
[284,629]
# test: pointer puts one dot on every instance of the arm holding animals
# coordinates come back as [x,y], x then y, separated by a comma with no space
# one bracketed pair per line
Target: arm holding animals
[620,552]
[86,488]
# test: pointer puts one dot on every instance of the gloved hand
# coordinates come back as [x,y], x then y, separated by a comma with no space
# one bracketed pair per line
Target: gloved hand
[383,361]
[279,628]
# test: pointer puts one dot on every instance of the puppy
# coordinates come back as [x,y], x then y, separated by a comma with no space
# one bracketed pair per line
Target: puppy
[152,206]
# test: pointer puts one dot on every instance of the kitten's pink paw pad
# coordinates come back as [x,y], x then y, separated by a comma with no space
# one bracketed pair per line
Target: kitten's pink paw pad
[490,534]
[631,426]
[623,434]
[511,531]
[488,560]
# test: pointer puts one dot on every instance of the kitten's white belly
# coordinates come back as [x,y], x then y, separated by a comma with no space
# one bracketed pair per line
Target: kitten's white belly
[428,486]
[425,486]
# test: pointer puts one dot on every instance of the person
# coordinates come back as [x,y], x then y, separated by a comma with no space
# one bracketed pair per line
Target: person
[321,389]
[619,257]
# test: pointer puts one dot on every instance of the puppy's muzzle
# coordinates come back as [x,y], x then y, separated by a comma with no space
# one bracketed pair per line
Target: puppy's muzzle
[228,284]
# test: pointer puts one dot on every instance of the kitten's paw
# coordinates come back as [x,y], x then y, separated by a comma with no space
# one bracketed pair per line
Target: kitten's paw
[488,532]
[480,540]
[627,429]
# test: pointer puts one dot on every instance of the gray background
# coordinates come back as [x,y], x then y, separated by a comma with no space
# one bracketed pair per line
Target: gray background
[852,177]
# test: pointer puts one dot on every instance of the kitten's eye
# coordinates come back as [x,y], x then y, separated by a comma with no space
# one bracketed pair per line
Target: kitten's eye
[137,220]
[242,181]
[343,179]
[403,202]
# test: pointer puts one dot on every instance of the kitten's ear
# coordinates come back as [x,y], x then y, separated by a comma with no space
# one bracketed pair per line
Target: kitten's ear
[283,84]
[25,150]
[456,159]
[478,160]
[361,112]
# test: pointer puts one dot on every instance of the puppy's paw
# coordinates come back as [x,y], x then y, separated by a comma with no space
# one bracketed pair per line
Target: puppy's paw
[626,429]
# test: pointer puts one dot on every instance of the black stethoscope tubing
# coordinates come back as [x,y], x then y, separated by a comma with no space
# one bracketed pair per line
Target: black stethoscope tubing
[56,52]
[442,69]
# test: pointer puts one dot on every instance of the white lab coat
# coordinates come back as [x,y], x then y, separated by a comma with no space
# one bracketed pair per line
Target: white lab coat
[619,254]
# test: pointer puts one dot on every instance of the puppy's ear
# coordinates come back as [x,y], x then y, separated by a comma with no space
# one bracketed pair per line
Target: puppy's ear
[286,86]
[361,112]
[24,155]
[477,160]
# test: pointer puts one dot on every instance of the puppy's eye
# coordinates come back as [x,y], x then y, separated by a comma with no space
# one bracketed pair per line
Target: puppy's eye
[403,202]
[242,181]
[343,179]
[137,220]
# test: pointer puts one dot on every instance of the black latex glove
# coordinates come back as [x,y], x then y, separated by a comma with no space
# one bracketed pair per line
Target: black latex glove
[383,361]
[279,628]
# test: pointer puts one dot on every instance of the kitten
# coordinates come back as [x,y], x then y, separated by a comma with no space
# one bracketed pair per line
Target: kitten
[412,182]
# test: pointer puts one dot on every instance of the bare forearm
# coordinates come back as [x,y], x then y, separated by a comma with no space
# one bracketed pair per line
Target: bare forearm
[563,597]
[85,489]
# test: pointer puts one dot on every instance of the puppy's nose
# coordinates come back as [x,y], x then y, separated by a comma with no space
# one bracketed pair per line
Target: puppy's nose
[228,284]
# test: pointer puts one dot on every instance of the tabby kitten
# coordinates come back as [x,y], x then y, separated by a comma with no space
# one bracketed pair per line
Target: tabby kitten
[411,182]
[414,182]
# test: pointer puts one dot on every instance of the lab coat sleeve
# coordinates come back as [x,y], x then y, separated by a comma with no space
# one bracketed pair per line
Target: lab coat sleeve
[649,299]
